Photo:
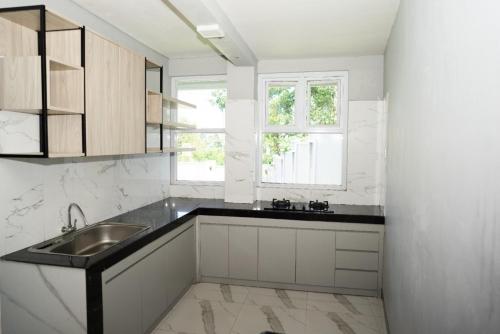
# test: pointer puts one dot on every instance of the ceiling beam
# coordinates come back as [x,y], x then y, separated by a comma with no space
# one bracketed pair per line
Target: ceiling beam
[208,12]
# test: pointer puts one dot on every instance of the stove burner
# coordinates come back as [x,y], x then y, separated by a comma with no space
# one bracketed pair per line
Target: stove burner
[283,204]
[318,206]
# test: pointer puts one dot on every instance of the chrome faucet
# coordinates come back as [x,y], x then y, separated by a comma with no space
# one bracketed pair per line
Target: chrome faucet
[72,224]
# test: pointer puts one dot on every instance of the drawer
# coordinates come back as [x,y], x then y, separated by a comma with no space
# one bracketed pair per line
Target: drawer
[367,280]
[356,260]
[357,241]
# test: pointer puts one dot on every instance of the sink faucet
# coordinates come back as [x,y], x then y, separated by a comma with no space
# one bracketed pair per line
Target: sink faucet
[72,224]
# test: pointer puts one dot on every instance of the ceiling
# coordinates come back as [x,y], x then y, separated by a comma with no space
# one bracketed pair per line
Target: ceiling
[152,23]
[272,29]
[312,28]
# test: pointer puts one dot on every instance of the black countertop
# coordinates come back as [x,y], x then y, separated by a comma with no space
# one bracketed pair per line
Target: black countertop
[166,215]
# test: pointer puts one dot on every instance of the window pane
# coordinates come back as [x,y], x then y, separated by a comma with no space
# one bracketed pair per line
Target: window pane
[301,158]
[204,164]
[210,100]
[280,104]
[323,104]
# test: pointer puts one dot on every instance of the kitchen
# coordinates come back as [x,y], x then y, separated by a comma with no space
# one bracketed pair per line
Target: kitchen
[242,171]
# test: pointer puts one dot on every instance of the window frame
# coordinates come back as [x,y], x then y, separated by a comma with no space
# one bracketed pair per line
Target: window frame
[174,133]
[301,118]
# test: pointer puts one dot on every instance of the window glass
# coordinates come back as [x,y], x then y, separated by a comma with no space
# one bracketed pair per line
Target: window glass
[280,104]
[323,104]
[206,163]
[210,100]
[302,158]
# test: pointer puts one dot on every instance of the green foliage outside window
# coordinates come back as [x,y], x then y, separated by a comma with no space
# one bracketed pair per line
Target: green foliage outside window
[323,104]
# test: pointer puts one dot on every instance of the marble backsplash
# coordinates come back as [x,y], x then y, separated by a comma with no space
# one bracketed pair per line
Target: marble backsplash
[35,193]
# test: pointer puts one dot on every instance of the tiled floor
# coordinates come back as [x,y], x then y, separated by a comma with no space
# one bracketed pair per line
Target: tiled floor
[228,309]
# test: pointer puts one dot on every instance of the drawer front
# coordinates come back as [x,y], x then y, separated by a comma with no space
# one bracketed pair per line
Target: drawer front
[356,279]
[356,260]
[357,241]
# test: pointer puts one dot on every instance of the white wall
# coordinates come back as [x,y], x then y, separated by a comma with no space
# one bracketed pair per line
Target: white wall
[442,255]
[366,129]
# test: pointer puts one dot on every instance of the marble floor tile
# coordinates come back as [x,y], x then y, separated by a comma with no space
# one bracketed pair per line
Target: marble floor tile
[224,293]
[275,292]
[254,319]
[228,309]
[201,317]
[340,305]
[337,323]
[282,300]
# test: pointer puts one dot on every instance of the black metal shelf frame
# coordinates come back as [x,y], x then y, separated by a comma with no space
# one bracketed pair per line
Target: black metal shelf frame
[42,52]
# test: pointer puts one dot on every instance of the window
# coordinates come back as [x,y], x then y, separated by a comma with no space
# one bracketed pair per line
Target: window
[206,163]
[303,137]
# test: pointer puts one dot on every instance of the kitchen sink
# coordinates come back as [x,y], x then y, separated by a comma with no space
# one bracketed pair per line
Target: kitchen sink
[90,240]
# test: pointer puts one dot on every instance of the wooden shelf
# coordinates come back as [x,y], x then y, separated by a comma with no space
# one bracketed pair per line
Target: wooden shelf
[178,125]
[22,153]
[173,100]
[58,65]
[177,149]
[31,20]
[153,150]
[66,155]
[154,107]
[151,65]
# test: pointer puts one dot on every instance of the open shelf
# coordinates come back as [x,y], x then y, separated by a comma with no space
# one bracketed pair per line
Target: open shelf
[177,149]
[178,126]
[151,65]
[31,20]
[66,155]
[153,150]
[21,89]
[154,108]
[173,100]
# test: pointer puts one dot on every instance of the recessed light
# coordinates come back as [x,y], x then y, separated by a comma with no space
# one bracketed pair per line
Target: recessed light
[210,31]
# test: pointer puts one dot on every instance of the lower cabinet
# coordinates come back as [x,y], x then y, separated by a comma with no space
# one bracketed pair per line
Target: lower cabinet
[138,290]
[122,302]
[315,257]
[277,255]
[243,252]
[320,256]
[214,244]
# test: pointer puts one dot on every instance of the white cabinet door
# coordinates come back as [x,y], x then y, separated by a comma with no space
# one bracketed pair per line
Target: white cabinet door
[214,250]
[121,300]
[277,255]
[243,252]
[315,257]
[154,287]
[181,264]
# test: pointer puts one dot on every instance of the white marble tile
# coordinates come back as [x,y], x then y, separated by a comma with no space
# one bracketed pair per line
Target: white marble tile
[337,323]
[342,305]
[256,319]
[19,133]
[283,301]
[35,299]
[201,317]
[274,292]
[224,293]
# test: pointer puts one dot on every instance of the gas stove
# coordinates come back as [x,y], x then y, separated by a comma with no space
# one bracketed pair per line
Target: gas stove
[313,206]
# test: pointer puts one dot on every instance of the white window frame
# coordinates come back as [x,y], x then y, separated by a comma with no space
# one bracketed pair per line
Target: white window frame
[301,119]
[173,116]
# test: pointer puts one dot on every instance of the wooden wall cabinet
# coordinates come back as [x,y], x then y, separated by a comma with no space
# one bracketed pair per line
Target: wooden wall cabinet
[115,99]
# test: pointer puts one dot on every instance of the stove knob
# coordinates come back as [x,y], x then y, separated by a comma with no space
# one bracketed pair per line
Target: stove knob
[303,208]
[293,207]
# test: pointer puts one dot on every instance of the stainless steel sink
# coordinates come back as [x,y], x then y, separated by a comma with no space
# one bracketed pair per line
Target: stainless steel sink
[89,240]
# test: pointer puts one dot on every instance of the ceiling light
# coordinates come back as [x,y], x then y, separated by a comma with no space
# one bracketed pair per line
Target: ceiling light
[210,31]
